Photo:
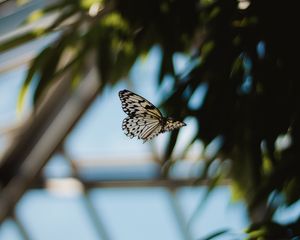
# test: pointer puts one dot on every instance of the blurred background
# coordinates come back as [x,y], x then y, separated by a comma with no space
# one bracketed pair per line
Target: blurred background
[227,68]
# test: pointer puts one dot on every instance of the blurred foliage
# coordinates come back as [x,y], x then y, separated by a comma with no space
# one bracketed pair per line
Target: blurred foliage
[245,52]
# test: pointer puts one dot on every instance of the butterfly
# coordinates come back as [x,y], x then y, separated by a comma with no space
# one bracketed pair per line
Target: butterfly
[144,119]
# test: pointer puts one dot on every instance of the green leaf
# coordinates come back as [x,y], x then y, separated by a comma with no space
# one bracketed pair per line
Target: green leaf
[104,58]
[49,66]
[19,40]
[33,69]
[215,234]
[58,6]
[237,67]
[171,145]
[47,73]
[35,16]
[67,13]
[166,65]
[292,190]
[77,60]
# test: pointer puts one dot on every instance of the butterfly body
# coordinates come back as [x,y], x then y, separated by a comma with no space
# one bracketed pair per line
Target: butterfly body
[144,120]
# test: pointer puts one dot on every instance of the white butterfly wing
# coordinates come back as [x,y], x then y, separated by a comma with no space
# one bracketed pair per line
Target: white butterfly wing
[144,127]
[134,104]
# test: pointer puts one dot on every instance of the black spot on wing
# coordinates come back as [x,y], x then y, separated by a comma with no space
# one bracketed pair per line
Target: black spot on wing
[150,107]
[133,104]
